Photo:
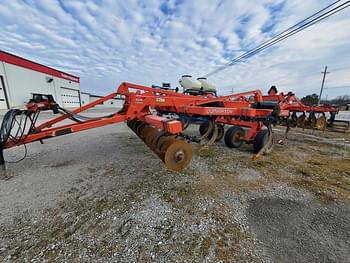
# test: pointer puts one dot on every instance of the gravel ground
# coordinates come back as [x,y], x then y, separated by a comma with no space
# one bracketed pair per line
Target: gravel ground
[103,196]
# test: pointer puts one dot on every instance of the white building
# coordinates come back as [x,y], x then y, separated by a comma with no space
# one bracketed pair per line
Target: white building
[112,103]
[20,78]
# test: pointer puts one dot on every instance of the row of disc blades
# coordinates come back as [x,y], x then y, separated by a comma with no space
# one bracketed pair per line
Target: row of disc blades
[175,153]
[302,121]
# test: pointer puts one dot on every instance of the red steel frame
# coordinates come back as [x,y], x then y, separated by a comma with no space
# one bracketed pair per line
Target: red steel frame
[293,103]
[139,100]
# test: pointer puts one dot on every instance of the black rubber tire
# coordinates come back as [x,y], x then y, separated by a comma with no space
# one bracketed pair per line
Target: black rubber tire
[231,137]
[260,140]
[204,127]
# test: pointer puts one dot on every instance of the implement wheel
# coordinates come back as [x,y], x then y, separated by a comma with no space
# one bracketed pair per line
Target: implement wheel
[203,128]
[260,140]
[233,137]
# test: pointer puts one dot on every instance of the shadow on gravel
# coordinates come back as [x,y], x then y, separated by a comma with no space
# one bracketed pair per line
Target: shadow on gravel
[293,231]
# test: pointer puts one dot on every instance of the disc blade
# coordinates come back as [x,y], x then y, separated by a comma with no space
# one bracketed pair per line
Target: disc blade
[321,123]
[145,132]
[301,121]
[150,137]
[178,155]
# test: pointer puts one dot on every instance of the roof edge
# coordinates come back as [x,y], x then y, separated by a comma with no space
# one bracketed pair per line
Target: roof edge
[32,65]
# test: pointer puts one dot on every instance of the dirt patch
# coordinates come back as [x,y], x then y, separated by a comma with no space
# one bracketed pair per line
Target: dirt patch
[293,231]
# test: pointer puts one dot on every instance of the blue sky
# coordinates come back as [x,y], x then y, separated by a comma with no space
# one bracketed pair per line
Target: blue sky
[106,42]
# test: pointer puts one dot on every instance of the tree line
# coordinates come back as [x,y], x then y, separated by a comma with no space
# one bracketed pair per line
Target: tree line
[312,100]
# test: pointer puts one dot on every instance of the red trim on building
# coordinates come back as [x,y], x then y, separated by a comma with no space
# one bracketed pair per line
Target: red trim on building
[25,63]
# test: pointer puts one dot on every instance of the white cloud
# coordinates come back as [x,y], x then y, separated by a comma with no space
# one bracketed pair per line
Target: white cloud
[106,42]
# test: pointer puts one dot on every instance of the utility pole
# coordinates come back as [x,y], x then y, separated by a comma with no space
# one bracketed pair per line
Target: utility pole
[325,72]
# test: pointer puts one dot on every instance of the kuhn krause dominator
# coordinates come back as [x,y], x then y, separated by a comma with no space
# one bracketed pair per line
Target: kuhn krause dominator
[156,116]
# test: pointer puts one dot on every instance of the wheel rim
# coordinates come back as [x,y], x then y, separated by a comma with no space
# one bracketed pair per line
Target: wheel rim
[237,137]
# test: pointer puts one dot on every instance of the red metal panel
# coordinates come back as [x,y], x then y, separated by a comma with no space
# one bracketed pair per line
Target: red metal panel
[250,112]
[171,126]
[174,127]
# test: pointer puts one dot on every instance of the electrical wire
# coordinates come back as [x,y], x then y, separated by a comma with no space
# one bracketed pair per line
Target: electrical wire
[338,87]
[302,25]
[286,30]
[273,41]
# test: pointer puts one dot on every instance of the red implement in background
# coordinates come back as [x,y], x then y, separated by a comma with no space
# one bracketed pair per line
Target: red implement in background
[302,115]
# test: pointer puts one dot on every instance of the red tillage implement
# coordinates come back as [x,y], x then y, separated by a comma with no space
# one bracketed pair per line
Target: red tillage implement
[153,114]
[298,111]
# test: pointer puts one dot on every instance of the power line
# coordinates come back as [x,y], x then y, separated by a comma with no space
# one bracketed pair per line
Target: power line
[283,32]
[342,68]
[275,40]
[302,25]
[339,87]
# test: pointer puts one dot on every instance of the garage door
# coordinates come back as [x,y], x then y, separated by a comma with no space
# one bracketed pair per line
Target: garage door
[3,103]
[70,98]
